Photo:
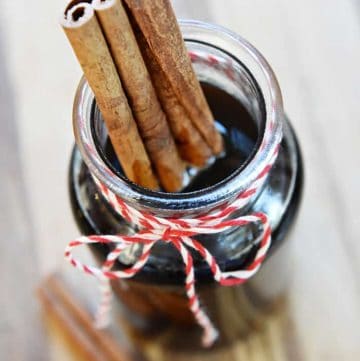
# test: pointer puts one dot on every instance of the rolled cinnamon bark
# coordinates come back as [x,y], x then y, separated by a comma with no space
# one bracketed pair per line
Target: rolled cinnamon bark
[86,38]
[190,143]
[159,26]
[141,94]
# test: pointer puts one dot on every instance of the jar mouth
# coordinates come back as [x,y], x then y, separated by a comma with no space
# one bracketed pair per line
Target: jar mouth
[222,41]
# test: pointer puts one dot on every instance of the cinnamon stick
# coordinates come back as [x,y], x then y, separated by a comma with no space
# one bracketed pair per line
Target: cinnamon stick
[159,26]
[60,302]
[85,35]
[143,100]
[189,141]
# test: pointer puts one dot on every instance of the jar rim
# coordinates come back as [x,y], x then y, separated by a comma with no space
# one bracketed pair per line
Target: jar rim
[205,199]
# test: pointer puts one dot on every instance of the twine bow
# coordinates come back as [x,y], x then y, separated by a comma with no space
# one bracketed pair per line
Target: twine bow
[180,233]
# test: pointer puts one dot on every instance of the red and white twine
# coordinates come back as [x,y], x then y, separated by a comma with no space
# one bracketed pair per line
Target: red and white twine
[180,233]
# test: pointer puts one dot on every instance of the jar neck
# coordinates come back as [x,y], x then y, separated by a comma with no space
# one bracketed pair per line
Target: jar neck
[228,62]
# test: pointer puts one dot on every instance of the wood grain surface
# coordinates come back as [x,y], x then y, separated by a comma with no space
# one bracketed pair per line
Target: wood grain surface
[314,48]
[20,332]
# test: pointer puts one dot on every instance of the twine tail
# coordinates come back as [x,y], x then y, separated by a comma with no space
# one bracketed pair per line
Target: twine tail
[210,333]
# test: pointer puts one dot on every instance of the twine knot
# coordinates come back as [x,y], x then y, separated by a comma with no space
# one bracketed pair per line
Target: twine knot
[180,234]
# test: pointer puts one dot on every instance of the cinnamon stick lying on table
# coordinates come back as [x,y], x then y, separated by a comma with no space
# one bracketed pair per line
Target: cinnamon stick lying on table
[141,94]
[87,40]
[62,304]
[157,22]
[189,141]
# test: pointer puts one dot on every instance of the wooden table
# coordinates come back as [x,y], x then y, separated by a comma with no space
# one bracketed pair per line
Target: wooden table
[314,48]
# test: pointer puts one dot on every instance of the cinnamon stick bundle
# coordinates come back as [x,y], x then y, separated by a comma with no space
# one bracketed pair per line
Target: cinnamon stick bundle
[141,94]
[159,26]
[151,117]
[86,37]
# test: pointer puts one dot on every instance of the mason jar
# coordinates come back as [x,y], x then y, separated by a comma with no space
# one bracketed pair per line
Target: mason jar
[245,98]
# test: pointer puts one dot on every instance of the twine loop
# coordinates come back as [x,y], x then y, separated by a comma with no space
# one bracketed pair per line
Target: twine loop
[180,233]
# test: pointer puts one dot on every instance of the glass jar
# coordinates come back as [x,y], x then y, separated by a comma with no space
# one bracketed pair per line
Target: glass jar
[239,84]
